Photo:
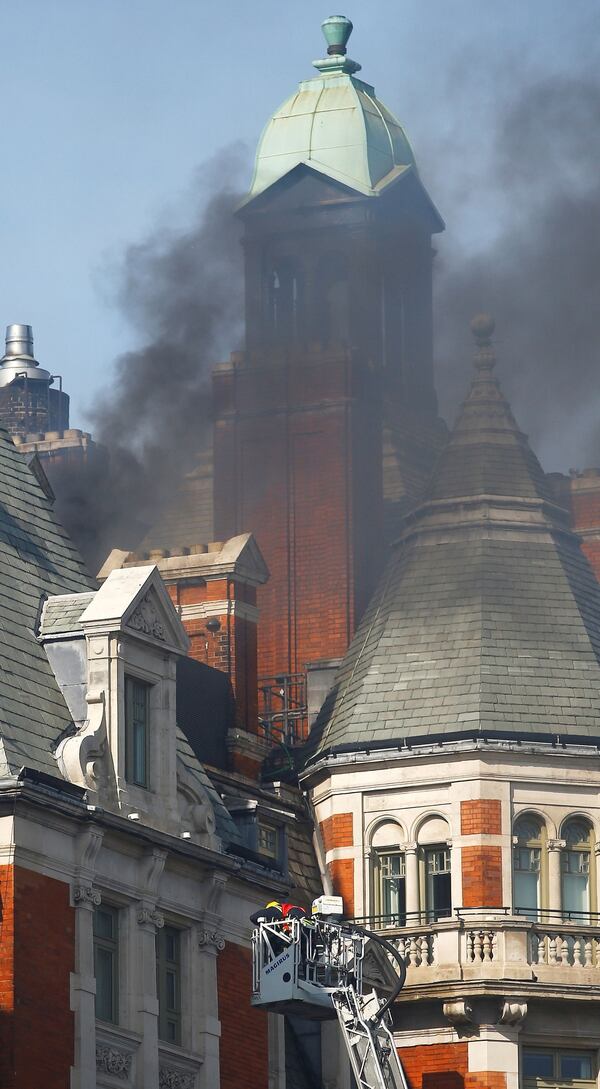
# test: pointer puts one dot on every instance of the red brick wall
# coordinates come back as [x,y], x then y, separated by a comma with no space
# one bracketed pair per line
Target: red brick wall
[481,876]
[584,496]
[232,649]
[480,817]
[445,1066]
[337,831]
[244,1046]
[342,876]
[298,463]
[37,955]
[435,1066]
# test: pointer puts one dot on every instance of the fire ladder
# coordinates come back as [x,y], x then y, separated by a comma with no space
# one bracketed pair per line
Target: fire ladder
[315,969]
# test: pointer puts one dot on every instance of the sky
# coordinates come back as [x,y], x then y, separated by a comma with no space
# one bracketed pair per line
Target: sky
[112,110]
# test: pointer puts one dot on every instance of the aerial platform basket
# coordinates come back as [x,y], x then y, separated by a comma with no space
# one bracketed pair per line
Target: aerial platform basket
[316,968]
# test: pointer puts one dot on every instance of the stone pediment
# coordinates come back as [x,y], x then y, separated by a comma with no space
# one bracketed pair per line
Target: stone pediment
[135,600]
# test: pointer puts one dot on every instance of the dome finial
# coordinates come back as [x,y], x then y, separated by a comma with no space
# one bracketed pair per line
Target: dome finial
[482,328]
[336,31]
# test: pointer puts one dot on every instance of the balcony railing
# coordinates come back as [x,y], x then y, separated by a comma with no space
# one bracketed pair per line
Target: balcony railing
[283,709]
[474,944]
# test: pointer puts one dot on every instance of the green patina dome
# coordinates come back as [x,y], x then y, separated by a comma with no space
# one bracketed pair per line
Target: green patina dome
[334,124]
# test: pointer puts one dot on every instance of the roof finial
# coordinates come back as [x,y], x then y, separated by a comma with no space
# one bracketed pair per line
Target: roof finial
[336,30]
[482,328]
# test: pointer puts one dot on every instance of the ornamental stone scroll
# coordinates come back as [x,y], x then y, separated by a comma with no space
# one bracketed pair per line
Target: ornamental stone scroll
[211,940]
[149,917]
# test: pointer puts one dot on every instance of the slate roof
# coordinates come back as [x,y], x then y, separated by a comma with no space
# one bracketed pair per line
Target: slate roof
[36,558]
[487,618]
[61,614]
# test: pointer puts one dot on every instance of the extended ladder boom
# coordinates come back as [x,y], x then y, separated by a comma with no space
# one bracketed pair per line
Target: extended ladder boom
[314,968]
[370,1046]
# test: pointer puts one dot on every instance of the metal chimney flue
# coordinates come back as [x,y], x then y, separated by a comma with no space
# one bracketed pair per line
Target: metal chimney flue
[19,341]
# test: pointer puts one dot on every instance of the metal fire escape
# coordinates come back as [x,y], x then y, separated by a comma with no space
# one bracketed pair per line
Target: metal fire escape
[315,968]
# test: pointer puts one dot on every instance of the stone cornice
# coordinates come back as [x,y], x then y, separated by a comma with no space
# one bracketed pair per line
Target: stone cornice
[444,747]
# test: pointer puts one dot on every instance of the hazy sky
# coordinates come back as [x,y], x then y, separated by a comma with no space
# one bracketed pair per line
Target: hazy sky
[111,106]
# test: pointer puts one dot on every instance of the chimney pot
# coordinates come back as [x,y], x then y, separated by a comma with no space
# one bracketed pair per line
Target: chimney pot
[19,340]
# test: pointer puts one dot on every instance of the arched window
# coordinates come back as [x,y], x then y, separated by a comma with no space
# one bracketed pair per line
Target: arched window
[528,859]
[284,302]
[389,874]
[333,302]
[434,859]
[577,870]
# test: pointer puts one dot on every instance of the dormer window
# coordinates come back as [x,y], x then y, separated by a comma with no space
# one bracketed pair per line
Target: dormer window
[269,840]
[137,703]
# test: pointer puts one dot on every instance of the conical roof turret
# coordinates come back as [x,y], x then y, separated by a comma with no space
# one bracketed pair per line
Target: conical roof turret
[487,453]
[487,619]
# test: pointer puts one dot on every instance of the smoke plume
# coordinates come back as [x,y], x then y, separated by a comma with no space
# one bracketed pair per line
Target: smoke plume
[538,270]
[183,290]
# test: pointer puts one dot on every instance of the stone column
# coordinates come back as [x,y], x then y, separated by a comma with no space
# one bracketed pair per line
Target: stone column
[83,987]
[555,846]
[594,905]
[148,922]
[206,1027]
[411,862]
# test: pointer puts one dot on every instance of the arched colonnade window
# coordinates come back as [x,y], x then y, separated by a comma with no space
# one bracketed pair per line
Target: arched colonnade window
[411,882]
[554,878]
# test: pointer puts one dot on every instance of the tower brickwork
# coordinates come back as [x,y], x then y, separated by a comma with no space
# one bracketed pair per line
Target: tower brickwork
[338,267]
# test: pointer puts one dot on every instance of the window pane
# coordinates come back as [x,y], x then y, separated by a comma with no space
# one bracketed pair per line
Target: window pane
[538,1064]
[438,886]
[104,970]
[106,964]
[576,1066]
[575,893]
[526,892]
[136,731]
[393,895]
[168,948]
[103,923]
[268,840]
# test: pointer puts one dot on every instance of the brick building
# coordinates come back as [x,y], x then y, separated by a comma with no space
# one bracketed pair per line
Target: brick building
[454,771]
[128,871]
[153,727]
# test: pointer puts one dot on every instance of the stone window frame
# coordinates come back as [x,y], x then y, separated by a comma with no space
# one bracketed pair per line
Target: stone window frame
[427,912]
[162,964]
[130,678]
[554,1082]
[377,856]
[114,944]
[589,847]
[539,842]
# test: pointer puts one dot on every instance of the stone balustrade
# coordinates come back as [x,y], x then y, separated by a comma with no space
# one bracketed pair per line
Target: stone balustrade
[477,945]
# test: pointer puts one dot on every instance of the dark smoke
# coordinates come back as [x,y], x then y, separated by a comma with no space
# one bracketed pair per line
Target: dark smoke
[539,272]
[183,290]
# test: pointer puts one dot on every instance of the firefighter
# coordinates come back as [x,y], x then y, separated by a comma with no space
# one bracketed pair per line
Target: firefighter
[271,913]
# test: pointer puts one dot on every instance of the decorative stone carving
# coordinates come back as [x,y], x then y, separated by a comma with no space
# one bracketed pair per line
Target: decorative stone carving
[76,756]
[175,1079]
[85,894]
[458,1012]
[211,938]
[556,844]
[146,619]
[109,1060]
[513,1013]
[154,918]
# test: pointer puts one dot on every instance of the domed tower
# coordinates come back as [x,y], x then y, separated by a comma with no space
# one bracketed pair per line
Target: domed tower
[338,266]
